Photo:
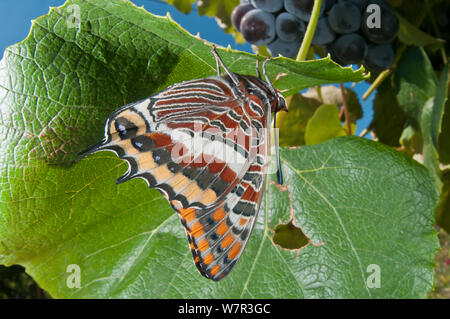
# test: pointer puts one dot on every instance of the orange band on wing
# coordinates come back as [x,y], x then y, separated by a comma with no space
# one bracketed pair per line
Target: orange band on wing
[187,214]
[215,270]
[203,245]
[208,259]
[234,251]
[196,230]
[243,221]
[222,228]
[219,214]
[227,241]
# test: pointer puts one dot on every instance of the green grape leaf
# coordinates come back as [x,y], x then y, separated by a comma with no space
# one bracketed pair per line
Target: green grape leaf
[444,136]
[440,99]
[292,125]
[331,94]
[422,96]
[411,139]
[431,126]
[411,35]
[388,119]
[343,193]
[80,235]
[416,83]
[430,155]
[323,125]
[443,210]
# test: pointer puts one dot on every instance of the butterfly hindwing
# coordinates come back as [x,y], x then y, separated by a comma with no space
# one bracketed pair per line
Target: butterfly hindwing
[218,235]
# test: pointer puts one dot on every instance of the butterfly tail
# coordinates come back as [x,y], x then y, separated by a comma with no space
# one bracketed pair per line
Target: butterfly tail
[99,146]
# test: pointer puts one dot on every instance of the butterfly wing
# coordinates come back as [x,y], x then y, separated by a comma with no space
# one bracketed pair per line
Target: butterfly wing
[218,235]
[194,143]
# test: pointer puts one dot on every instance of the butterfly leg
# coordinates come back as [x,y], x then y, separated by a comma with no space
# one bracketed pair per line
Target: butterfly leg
[279,172]
[277,151]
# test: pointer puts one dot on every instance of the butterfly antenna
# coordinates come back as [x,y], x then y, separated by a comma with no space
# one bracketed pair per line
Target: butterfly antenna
[218,67]
[272,88]
[277,151]
[277,147]
[220,62]
[258,73]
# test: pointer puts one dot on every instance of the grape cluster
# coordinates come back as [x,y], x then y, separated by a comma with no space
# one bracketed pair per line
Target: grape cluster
[352,31]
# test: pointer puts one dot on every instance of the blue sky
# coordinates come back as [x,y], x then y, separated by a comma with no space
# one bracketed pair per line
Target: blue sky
[16,16]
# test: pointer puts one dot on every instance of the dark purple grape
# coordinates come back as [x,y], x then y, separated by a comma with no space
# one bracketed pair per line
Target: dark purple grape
[268,5]
[379,28]
[344,17]
[258,27]
[285,48]
[348,49]
[288,27]
[379,57]
[323,34]
[301,8]
[379,2]
[329,4]
[238,13]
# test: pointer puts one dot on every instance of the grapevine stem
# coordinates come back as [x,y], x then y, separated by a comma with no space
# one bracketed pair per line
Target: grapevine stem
[381,77]
[364,132]
[319,93]
[345,107]
[436,30]
[306,43]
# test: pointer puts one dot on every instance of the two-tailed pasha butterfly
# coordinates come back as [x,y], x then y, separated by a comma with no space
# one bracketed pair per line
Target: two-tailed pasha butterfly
[204,145]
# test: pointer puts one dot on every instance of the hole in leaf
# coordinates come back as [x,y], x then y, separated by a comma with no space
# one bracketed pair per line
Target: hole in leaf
[289,236]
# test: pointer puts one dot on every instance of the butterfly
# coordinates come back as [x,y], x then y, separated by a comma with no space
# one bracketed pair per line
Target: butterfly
[204,145]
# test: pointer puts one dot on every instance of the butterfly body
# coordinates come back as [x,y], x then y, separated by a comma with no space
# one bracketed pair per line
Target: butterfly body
[204,145]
